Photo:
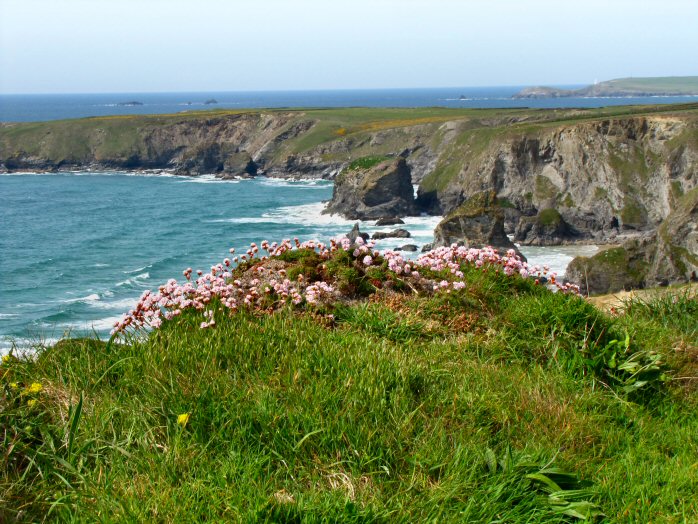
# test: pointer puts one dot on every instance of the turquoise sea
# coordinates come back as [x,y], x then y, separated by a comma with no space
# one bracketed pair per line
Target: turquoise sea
[78,249]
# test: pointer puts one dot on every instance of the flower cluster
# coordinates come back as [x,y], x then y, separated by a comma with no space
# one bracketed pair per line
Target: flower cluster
[263,285]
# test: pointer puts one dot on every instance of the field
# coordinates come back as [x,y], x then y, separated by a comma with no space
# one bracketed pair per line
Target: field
[495,401]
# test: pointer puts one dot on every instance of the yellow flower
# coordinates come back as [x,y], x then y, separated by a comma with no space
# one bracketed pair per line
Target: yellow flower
[31,402]
[183,419]
[13,385]
[6,359]
[34,388]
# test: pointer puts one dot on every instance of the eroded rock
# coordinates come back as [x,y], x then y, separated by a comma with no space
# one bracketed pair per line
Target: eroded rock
[478,222]
[382,190]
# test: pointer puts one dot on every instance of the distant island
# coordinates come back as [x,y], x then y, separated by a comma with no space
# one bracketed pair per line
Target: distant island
[211,101]
[130,103]
[621,87]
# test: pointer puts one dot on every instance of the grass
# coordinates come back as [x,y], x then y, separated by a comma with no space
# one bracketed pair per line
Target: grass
[502,402]
[673,84]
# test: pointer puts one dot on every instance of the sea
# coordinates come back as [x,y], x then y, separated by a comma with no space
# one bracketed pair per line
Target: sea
[31,108]
[77,249]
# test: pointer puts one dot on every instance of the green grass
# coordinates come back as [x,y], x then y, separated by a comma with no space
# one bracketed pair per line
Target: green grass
[366,162]
[503,402]
[674,84]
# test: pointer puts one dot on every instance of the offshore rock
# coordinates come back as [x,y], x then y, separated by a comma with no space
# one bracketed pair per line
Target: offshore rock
[389,221]
[356,233]
[395,233]
[478,222]
[379,191]
[547,228]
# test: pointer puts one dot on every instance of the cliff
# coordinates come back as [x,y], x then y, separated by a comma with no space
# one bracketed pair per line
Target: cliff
[373,188]
[606,178]
[666,256]
[603,174]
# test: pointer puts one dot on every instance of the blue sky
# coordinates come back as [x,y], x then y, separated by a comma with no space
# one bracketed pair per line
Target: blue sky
[80,46]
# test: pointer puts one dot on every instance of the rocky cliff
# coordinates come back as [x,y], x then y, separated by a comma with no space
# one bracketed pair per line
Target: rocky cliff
[478,222]
[372,189]
[289,144]
[602,174]
[605,178]
[666,256]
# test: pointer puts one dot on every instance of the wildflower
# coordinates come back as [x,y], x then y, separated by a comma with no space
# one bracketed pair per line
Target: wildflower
[31,402]
[6,359]
[34,388]
[368,260]
[183,419]
[13,385]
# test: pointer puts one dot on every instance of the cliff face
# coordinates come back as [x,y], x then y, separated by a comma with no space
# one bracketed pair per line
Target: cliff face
[605,177]
[606,172]
[383,189]
[291,144]
[666,256]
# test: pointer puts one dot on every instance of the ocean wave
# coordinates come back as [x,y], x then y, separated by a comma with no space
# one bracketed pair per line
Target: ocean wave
[89,298]
[311,215]
[311,183]
[137,270]
[557,258]
[102,324]
[208,179]
[121,304]
[134,280]
[24,345]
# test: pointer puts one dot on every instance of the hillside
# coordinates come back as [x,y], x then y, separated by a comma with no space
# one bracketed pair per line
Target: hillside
[355,390]
[622,87]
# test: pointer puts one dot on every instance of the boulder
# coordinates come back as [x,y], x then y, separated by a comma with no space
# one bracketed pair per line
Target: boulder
[389,221]
[427,247]
[408,247]
[478,222]
[547,228]
[395,233]
[374,192]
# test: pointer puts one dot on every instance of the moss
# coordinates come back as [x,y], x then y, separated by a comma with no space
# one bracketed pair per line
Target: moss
[545,188]
[600,193]
[568,201]
[476,205]
[549,217]
[633,214]
[676,189]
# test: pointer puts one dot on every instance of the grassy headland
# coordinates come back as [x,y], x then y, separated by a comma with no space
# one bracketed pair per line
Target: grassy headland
[394,402]
[169,141]
[622,87]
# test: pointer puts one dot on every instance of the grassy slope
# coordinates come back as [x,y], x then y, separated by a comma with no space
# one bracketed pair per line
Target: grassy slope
[403,408]
[675,84]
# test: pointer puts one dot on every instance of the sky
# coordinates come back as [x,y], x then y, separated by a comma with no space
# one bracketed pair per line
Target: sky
[105,46]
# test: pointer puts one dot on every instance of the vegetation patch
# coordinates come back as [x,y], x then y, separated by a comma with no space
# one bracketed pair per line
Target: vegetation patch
[366,162]
[365,387]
